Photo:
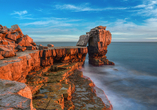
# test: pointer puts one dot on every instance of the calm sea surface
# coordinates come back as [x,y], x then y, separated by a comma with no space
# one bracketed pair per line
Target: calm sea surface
[132,83]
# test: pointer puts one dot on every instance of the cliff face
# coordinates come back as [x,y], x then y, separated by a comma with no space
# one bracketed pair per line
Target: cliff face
[98,39]
[18,67]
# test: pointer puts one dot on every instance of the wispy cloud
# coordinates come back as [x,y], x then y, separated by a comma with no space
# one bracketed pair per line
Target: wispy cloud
[85,7]
[54,38]
[21,14]
[40,9]
[132,31]
[148,8]
[53,22]
[152,38]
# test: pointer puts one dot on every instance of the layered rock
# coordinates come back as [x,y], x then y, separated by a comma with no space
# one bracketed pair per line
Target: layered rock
[61,86]
[98,39]
[17,68]
[35,68]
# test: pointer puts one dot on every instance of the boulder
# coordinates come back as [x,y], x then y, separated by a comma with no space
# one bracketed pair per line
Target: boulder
[50,45]
[4,30]
[15,95]
[6,52]
[42,47]
[25,41]
[83,40]
[16,28]
[20,48]
[31,47]
[4,42]
[13,36]
[33,43]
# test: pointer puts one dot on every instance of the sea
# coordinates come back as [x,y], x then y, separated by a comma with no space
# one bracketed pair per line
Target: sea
[131,84]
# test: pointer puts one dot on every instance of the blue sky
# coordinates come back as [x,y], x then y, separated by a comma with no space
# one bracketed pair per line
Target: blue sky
[66,20]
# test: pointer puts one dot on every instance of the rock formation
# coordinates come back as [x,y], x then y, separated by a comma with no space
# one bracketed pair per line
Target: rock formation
[98,39]
[13,40]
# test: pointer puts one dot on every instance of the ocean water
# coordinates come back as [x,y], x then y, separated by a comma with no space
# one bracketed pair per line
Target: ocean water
[131,84]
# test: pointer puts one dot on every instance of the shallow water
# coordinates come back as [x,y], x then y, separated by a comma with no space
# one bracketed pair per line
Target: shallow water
[132,83]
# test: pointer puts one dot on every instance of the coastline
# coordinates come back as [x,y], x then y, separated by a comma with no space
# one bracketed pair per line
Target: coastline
[13,64]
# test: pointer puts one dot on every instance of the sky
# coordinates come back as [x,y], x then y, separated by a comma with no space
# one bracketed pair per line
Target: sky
[66,20]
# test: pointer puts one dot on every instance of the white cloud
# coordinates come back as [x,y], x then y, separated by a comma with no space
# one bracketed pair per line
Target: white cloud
[85,7]
[152,38]
[131,31]
[40,10]
[20,13]
[148,8]
[53,38]
[53,22]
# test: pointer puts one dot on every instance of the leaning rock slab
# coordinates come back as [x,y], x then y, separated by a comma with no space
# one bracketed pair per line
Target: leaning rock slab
[15,95]
[83,40]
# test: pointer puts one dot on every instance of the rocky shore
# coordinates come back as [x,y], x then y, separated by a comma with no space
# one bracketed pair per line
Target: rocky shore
[46,77]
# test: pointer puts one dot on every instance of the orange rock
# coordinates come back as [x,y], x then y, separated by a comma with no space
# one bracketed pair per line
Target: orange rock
[15,28]
[4,42]
[101,27]
[25,41]
[42,47]
[20,48]
[98,41]
[50,45]
[6,52]
[33,43]
[46,62]
[31,47]
[1,57]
